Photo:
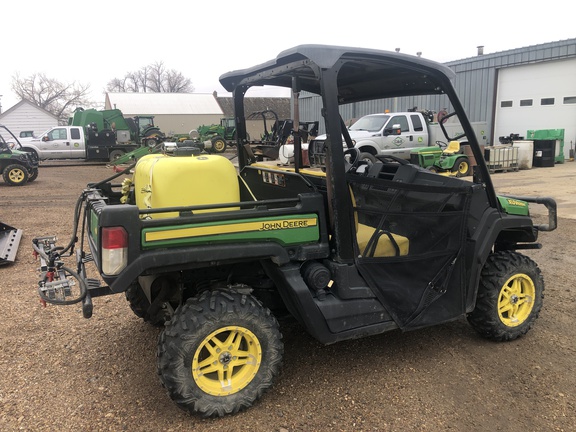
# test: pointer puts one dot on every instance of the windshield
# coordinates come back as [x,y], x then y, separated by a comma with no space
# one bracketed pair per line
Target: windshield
[372,123]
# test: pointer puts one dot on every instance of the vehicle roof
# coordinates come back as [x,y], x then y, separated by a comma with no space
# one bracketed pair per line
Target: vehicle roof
[363,74]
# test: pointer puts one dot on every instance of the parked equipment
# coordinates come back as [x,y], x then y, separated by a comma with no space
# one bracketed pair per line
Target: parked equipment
[136,130]
[95,136]
[347,247]
[17,165]
[9,241]
[445,159]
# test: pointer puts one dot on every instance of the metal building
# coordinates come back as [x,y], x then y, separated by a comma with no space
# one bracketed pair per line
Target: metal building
[513,91]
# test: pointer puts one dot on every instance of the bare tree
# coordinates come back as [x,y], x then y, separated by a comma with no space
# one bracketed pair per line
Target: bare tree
[54,96]
[152,78]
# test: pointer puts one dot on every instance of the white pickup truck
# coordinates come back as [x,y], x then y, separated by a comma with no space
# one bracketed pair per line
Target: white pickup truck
[396,134]
[378,133]
[73,142]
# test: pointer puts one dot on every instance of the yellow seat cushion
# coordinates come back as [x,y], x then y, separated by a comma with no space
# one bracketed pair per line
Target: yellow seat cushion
[452,148]
[385,247]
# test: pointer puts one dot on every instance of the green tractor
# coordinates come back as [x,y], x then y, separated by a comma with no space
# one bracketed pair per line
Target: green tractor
[445,159]
[220,135]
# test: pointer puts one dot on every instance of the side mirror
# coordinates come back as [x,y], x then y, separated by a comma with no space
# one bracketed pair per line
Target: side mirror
[394,130]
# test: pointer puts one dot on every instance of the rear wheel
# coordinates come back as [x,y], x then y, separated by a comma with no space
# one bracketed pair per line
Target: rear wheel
[141,306]
[219,353]
[218,144]
[32,174]
[15,175]
[462,167]
[509,297]
[116,154]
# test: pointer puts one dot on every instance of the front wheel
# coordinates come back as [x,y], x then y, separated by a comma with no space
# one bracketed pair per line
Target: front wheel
[509,297]
[15,175]
[219,353]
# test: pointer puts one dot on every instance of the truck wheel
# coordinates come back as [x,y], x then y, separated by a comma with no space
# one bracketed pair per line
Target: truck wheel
[15,175]
[509,297]
[368,158]
[219,144]
[116,154]
[462,167]
[32,175]
[139,304]
[219,353]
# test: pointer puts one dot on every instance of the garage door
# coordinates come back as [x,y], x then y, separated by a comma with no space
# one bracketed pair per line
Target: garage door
[538,96]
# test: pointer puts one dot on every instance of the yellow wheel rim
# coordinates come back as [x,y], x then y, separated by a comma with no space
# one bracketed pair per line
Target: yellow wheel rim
[219,145]
[226,361]
[16,175]
[463,168]
[516,300]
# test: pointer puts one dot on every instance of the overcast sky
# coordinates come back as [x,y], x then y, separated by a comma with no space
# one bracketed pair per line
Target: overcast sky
[94,42]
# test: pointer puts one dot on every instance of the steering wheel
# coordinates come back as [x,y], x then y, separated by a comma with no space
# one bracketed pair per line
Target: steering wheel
[443,145]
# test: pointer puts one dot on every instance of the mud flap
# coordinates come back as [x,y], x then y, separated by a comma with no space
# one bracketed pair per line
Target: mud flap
[9,241]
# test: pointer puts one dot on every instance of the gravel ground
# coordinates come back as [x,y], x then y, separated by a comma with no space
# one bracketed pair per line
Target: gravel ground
[63,372]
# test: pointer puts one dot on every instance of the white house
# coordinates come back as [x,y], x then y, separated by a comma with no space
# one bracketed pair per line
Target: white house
[173,112]
[26,116]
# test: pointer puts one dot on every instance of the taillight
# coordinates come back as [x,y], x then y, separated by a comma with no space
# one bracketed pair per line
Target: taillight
[114,250]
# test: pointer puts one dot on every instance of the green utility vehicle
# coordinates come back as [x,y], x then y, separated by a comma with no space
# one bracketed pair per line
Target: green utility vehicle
[347,247]
[17,166]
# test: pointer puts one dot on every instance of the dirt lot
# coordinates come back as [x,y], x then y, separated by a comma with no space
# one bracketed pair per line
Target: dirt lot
[63,372]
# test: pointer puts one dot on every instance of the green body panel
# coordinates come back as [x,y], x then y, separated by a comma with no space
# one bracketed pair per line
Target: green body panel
[103,119]
[286,230]
[514,206]
[448,162]
[427,156]
[94,227]
[12,154]
[433,156]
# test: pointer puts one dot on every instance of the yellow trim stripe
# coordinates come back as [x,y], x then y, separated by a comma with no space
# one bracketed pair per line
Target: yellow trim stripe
[228,229]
